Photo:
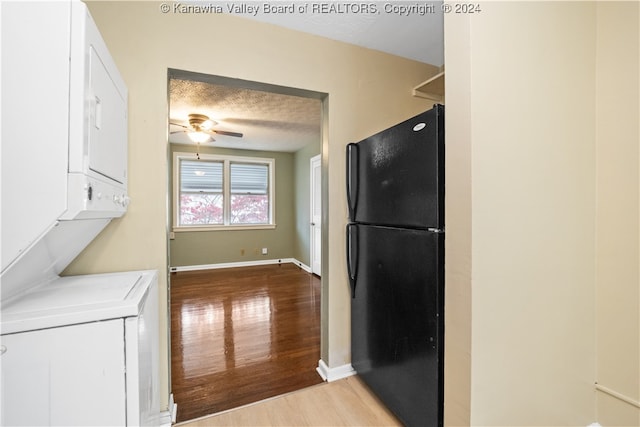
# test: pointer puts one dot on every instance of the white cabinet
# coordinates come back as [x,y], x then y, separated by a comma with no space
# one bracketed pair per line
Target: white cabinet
[82,351]
[73,375]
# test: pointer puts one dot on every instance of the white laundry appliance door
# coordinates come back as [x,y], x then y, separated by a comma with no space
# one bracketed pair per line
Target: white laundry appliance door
[71,375]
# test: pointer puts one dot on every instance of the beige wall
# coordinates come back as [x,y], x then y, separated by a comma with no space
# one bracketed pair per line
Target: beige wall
[457,353]
[618,214]
[542,202]
[533,166]
[368,91]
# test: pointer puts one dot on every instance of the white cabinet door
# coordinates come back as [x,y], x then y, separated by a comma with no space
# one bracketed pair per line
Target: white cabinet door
[71,376]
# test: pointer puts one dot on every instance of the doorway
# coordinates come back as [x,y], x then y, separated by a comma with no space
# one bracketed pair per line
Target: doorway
[202,255]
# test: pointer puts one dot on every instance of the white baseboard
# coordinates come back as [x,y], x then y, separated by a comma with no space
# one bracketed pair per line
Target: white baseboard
[168,417]
[165,419]
[240,264]
[333,374]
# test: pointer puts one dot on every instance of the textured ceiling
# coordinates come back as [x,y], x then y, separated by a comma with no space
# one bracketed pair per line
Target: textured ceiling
[268,121]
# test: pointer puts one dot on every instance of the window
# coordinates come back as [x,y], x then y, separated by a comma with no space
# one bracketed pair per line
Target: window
[222,192]
[249,193]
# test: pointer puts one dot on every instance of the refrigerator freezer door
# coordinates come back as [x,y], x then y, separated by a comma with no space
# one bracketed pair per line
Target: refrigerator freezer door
[396,177]
[397,316]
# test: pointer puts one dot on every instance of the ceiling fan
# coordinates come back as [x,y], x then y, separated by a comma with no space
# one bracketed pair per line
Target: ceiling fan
[200,129]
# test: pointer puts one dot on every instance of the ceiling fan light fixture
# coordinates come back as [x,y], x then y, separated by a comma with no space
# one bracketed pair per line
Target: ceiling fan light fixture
[200,121]
[208,124]
[198,137]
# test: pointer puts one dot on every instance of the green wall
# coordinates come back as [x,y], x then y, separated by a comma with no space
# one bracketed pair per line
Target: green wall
[290,238]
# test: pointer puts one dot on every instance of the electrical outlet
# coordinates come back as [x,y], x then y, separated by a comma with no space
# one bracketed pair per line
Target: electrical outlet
[264,251]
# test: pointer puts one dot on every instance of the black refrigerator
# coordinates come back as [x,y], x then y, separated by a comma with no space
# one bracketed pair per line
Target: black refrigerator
[395,261]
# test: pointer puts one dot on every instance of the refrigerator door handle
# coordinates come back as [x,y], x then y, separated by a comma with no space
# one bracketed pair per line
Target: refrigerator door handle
[352,256]
[352,178]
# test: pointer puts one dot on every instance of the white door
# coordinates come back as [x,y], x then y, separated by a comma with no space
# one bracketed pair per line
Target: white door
[316,216]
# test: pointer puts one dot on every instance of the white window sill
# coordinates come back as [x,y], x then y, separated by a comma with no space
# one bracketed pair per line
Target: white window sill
[224,227]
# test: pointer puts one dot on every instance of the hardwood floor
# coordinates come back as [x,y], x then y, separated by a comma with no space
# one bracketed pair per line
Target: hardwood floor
[242,335]
[346,402]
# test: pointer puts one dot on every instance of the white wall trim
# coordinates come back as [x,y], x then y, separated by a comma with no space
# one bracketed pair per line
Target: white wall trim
[168,417]
[241,264]
[333,374]
[165,419]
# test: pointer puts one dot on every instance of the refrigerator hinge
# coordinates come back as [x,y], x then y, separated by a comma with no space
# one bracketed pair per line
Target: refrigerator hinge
[436,230]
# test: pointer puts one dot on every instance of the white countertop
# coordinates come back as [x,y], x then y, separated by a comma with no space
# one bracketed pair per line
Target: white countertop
[76,299]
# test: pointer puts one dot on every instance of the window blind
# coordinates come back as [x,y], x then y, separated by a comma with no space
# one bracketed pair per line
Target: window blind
[200,176]
[249,178]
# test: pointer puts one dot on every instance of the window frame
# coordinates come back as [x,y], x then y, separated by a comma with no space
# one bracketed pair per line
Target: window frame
[226,191]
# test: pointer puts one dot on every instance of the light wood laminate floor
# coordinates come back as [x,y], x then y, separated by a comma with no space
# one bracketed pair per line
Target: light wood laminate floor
[346,402]
[242,335]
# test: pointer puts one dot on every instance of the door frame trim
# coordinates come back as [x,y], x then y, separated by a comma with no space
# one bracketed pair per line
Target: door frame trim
[317,159]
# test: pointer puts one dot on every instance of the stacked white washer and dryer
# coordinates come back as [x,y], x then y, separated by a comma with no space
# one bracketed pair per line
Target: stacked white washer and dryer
[74,350]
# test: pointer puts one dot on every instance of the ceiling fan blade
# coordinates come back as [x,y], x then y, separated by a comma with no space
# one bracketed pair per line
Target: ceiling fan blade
[224,132]
[178,131]
[178,124]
